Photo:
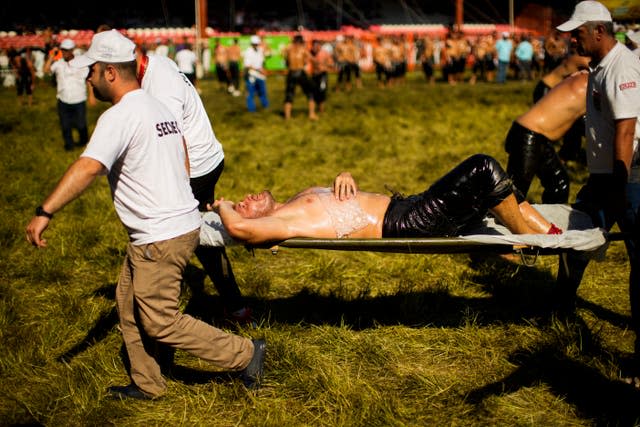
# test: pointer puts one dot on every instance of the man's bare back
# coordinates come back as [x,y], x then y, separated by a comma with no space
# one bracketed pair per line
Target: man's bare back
[553,114]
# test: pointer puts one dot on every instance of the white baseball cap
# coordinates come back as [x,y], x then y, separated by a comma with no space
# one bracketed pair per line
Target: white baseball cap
[634,36]
[586,11]
[255,40]
[107,46]
[67,44]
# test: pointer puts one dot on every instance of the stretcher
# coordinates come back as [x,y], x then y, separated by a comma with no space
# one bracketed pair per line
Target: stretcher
[489,236]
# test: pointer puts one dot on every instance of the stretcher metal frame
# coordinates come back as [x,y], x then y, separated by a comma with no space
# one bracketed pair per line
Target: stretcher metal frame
[423,245]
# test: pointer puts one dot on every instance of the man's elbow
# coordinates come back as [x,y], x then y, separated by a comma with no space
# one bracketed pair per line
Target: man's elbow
[238,230]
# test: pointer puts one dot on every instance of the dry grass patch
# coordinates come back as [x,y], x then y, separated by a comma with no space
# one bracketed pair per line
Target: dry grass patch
[354,339]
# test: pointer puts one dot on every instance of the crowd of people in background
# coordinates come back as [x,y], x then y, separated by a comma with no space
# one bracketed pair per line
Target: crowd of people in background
[453,58]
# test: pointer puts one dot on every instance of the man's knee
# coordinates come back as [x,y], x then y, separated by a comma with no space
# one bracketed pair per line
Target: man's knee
[158,327]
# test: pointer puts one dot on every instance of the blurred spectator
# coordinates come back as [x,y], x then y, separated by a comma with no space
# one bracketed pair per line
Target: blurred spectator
[524,57]
[321,64]
[298,59]
[221,61]
[484,53]
[162,49]
[187,60]
[426,58]
[235,54]
[537,66]
[25,73]
[398,57]
[254,74]
[340,52]
[503,51]
[6,76]
[205,59]
[71,94]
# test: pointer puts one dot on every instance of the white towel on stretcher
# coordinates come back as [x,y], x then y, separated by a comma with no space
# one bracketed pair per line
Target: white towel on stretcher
[578,232]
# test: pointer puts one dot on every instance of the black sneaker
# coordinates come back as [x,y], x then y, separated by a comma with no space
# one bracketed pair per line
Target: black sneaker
[252,374]
[130,391]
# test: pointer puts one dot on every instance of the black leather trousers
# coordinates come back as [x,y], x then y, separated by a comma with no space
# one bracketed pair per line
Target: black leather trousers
[456,201]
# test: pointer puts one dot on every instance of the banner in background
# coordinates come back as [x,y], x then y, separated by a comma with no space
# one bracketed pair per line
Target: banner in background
[274,46]
[623,10]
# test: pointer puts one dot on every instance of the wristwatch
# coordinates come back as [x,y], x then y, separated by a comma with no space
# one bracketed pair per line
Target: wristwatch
[41,212]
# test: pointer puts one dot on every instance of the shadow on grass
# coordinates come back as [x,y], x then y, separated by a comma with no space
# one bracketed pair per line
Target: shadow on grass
[519,298]
[105,323]
[595,396]
[511,297]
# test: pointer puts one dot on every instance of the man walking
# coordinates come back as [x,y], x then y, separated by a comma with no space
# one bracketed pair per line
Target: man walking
[138,144]
[72,94]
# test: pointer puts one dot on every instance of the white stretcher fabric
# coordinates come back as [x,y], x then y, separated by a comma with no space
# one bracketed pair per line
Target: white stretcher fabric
[578,234]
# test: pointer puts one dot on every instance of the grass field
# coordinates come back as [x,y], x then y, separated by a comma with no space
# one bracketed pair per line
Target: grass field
[354,339]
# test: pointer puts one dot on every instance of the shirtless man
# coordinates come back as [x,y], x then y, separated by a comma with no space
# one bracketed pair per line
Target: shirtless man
[572,139]
[381,61]
[321,64]
[221,59]
[298,57]
[426,59]
[555,50]
[484,52]
[457,200]
[529,139]
[235,55]
[568,66]
[351,57]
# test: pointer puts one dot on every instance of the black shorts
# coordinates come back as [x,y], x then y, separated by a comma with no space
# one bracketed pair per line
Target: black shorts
[320,87]
[297,78]
[452,204]
[23,85]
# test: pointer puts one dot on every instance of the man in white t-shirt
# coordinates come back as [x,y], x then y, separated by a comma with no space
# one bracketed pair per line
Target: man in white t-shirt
[160,77]
[71,87]
[254,74]
[187,60]
[138,144]
[612,192]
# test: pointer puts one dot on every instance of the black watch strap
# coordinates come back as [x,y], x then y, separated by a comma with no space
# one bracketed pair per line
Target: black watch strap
[41,212]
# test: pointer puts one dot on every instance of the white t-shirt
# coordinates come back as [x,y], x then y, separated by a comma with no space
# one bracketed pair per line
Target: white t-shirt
[138,140]
[165,82]
[253,58]
[162,50]
[613,93]
[186,60]
[71,82]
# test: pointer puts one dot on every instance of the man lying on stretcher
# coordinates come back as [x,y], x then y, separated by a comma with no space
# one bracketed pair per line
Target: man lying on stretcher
[456,201]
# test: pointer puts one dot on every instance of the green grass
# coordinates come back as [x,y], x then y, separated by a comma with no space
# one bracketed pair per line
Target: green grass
[354,339]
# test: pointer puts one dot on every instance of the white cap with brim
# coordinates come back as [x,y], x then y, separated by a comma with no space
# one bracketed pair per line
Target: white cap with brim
[634,36]
[255,39]
[108,46]
[67,44]
[586,11]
